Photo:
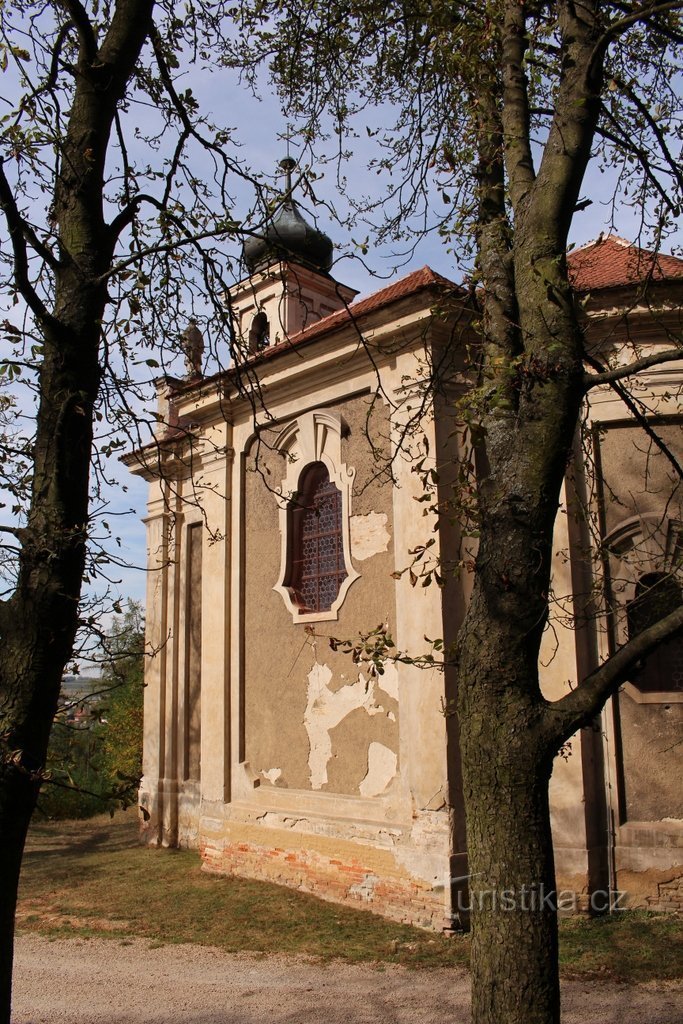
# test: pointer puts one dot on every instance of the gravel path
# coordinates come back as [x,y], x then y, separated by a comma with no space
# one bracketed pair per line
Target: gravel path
[100,981]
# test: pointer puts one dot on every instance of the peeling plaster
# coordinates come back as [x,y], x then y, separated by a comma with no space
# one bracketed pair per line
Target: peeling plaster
[388,681]
[369,535]
[365,889]
[273,774]
[326,709]
[429,843]
[382,764]
[275,820]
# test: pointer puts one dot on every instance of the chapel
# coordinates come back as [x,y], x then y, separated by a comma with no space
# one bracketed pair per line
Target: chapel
[286,500]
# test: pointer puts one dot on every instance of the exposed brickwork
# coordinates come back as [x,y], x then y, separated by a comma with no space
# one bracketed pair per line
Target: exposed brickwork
[355,884]
[669,897]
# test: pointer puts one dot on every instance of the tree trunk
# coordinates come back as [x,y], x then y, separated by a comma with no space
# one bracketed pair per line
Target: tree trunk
[514,944]
[506,741]
[38,624]
[512,882]
[17,799]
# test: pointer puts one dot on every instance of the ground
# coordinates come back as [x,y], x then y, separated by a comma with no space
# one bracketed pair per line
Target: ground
[114,933]
[101,981]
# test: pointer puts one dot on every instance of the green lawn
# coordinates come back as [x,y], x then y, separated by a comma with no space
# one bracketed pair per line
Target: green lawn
[91,878]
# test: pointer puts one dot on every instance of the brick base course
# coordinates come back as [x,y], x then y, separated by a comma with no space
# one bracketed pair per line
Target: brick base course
[353,883]
[669,897]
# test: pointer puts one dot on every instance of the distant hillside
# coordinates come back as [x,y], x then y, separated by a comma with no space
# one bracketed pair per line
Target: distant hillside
[74,687]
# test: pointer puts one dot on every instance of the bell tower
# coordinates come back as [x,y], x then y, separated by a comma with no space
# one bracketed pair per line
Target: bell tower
[289,286]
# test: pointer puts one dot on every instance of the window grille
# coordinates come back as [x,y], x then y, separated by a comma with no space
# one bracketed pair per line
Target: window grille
[316,565]
[657,594]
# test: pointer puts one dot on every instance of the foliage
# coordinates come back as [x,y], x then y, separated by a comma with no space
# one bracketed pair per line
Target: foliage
[501,108]
[109,242]
[73,787]
[122,705]
[95,761]
[110,238]
[161,216]
[447,76]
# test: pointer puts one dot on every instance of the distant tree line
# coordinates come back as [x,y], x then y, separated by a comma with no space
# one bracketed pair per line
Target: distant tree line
[95,756]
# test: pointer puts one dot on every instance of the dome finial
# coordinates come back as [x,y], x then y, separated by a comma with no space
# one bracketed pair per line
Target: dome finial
[288,165]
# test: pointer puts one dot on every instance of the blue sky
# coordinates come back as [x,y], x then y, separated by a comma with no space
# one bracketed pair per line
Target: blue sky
[257,125]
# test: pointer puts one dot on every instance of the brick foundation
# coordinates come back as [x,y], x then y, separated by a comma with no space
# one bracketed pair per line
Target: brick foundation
[353,881]
[669,897]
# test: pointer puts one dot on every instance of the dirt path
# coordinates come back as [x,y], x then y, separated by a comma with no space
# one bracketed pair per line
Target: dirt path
[96,981]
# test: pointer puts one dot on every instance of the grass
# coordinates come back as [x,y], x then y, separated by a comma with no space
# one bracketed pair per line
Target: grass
[630,946]
[92,879]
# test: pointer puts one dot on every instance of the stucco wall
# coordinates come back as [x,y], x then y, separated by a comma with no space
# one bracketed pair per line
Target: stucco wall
[636,476]
[651,737]
[638,481]
[312,719]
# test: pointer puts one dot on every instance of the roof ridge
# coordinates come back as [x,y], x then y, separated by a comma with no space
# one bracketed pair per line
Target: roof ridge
[600,240]
[402,288]
[433,276]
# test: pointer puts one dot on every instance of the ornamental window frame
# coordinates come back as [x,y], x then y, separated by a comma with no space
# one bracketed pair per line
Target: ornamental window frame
[313,437]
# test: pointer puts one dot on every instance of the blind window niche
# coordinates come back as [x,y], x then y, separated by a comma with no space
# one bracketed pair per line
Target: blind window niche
[193,653]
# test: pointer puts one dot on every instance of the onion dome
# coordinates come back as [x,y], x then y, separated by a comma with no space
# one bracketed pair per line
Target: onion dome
[288,236]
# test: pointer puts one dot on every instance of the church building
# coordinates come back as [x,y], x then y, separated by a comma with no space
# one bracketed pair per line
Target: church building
[292,506]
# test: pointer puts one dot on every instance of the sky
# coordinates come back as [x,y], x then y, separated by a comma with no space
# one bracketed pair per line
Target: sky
[260,127]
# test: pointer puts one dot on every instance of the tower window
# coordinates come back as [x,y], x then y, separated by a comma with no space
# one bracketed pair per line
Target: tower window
[657,594]
[316,565]
[259,334]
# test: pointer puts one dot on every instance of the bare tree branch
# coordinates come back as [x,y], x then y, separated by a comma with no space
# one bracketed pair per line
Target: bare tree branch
[127,215]
[575,116]
[579,707]
[673,163]
[592,380]
[79,16]
[14,530]
[640,417]
[643,155]
[515,114]
[17,229]
[51,80]
[617,27]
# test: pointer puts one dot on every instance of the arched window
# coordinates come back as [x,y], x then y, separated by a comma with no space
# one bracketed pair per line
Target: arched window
[259,333]
[314,499]
[316,567]
[657,594]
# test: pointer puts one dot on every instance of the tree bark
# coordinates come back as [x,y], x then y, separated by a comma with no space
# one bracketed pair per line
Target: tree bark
[512,888]
[533,381]
[38,623]
[507,757]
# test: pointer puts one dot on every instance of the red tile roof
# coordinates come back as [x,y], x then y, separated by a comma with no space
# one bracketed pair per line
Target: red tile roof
[613,262]
[609,262]
[401,289]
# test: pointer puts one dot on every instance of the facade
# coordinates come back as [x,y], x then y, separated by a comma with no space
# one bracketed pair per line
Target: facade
[285,506]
